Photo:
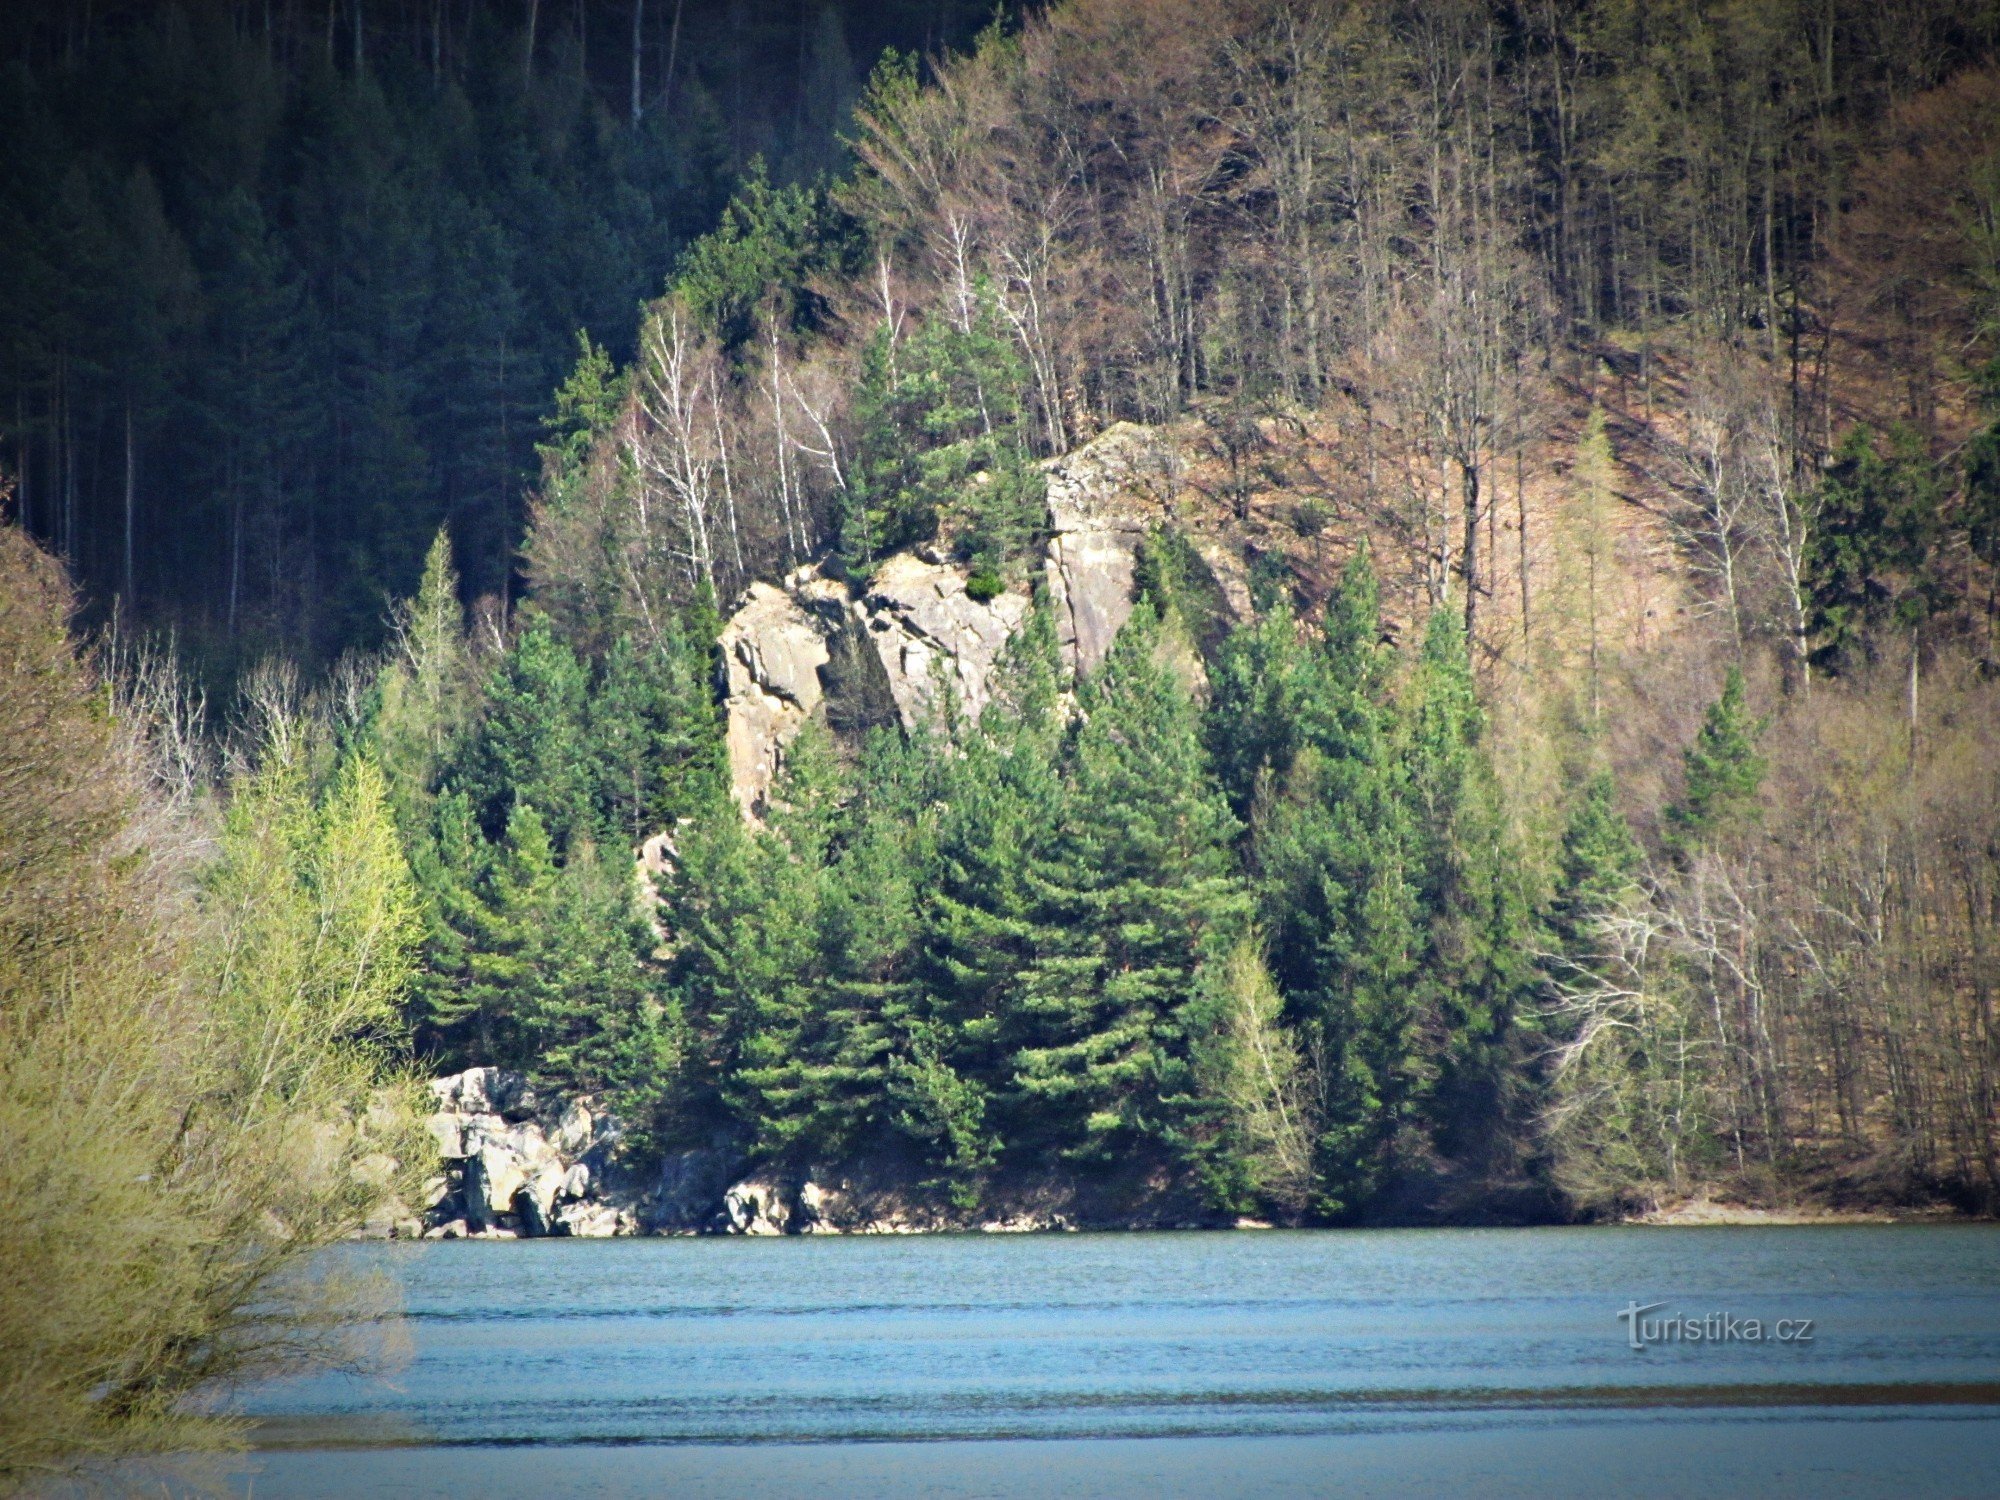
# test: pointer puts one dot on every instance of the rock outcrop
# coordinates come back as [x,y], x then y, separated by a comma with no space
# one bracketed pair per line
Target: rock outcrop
[772,651]
[924,626]
[914,628]
[514,1163]
[1103,499]
[792,650]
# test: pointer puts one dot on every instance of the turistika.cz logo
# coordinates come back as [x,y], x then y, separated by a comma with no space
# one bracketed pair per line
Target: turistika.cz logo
[1643,1332]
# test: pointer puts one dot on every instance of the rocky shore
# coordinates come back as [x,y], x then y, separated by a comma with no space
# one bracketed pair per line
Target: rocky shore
[516,1164]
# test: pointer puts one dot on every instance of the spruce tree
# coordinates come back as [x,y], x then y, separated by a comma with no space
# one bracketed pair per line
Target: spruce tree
[1872,562]
[532,745]
[943,439]
[449,860]
[584,1014]
[1136,892]
[1723,772]
[655,737]
[1331,848]
[743,906]
[1596,866]
[1001,803]
[1477,921]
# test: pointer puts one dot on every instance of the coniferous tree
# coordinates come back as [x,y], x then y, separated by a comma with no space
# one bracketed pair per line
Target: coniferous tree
[532,745]
[1134,895]
[1332,850]
[450,862]
[423,695]
[943,438]
[588,1016]
[1871,563]
[1001,804]
[1723,772]
[1477,933]
[1596,866]
[654,734]
[743,905]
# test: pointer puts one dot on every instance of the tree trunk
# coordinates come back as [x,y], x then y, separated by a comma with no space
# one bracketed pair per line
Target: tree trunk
[638,72]
[131,475]
[673,56]
[1468,560]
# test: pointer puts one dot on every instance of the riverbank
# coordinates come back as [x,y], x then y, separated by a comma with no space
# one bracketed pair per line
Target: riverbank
[516,1164]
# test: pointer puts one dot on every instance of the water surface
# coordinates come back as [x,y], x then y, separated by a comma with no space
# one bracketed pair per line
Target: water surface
[1314,1362]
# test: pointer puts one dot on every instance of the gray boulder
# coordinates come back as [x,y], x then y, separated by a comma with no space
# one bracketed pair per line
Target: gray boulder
[758,1206]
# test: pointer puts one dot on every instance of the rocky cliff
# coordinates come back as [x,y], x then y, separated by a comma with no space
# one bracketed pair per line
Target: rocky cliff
[814,646]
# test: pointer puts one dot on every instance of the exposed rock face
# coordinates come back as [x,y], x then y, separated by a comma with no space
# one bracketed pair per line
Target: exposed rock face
[1102,502]
[916,620]
[515,1164]
[689,1191]
[758,1205]
[921,620]
[771,655]
[555,1171]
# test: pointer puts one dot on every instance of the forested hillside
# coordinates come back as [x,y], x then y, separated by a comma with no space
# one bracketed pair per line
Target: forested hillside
[1543,765]
[1578,808]
[288,286]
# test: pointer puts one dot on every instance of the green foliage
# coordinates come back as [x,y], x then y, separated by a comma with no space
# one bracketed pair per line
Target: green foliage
[532,746]
[984,585]
[332,302]
[654,734]
[1476,969]
[1331,844]
[423,695]
[1251,1064]
[1133,894]
[1871,564]
[196,1023]
[764,261]
[943,440]
[1723,772]
[1597,867]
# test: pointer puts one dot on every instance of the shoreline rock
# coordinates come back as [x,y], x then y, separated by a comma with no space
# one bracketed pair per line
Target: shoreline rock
[515,1163]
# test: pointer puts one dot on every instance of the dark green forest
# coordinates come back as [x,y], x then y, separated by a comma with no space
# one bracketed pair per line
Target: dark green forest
[288,286]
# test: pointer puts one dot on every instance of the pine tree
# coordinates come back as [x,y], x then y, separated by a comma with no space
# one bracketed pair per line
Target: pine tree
[829,1086]
[743,907]
[655,736]
[1001,804]
[1872,560]
[586,1015]
[450,861]
[1723,772]
[1256,708]
[1136,892]
[943,439]
[532,746]
[1477,936]
[1597,864]
[507,927]
[1331,848]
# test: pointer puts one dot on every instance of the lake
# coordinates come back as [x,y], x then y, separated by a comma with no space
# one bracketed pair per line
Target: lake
[1780,1360]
